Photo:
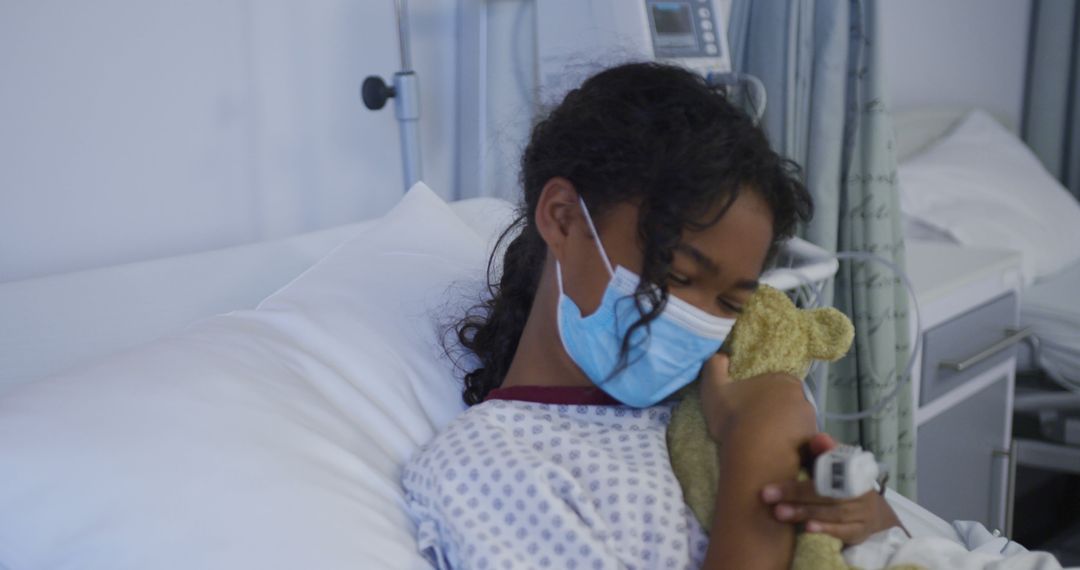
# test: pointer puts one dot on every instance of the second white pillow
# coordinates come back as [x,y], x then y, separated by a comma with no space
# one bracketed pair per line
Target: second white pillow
[982,186]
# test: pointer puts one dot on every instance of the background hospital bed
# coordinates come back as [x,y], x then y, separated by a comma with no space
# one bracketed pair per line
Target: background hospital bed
[1051,305]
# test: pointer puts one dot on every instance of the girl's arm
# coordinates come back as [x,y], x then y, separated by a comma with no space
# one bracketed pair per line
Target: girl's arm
[761,424]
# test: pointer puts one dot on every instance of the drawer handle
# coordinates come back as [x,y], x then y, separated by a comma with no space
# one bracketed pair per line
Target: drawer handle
[1014,336]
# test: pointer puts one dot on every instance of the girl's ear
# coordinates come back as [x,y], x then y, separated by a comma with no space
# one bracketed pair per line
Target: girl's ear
[557,208]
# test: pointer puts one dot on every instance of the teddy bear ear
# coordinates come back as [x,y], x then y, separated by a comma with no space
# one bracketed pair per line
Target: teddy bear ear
[830,333]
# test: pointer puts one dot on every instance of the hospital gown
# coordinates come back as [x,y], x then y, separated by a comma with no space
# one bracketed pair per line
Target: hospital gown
[542,478]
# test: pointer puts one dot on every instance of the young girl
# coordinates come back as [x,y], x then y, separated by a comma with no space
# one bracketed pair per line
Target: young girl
[651,207]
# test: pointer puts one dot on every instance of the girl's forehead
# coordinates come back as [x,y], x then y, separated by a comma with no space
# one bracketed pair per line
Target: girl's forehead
[735,244]
[738,241]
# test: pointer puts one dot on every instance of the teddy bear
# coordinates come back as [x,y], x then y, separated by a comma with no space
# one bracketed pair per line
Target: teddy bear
[771,335]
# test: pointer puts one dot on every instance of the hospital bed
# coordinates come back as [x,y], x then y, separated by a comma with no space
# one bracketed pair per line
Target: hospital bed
[988,191]
[248,407]
[1049,302]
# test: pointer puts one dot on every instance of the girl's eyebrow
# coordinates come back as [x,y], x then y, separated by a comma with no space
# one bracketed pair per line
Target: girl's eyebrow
[712,266]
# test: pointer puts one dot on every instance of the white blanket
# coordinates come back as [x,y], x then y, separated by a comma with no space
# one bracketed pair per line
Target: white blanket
[893,548]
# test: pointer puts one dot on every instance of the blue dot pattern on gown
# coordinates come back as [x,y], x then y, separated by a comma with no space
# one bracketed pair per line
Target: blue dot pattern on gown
[516,484]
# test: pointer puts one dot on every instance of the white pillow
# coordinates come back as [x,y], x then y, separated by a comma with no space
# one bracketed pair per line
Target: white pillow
[985,188]
[914,229]
[269,438]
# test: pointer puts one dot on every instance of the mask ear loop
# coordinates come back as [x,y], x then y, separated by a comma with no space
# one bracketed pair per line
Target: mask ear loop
[596,237]
[558,276]
[596,240]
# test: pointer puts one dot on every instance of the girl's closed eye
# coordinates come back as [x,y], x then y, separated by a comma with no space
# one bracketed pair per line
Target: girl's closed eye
[729,305]
[726,306]
[678,279]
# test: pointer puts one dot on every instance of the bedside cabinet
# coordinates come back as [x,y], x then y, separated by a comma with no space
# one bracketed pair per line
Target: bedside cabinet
[964,381]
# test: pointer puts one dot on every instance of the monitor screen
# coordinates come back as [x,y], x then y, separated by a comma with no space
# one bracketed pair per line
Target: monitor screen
[672,18]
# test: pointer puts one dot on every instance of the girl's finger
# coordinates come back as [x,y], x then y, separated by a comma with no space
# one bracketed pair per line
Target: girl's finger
[821,443]
[795,513]
[794,492]
[715,370]
[849,533]
[788,513]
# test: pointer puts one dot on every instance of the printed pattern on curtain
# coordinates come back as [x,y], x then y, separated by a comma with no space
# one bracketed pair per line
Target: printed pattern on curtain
[820,64]
[876,298]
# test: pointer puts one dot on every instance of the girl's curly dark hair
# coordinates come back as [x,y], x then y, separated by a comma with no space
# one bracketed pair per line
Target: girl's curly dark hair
[656,134]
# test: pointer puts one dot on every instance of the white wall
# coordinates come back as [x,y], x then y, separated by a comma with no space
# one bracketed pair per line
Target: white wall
[966,52]
[133,129]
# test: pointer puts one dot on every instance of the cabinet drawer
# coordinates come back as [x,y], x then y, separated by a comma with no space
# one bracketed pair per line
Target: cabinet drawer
[962,339]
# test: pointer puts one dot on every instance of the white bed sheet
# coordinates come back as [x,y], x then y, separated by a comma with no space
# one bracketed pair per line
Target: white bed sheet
[1051,308]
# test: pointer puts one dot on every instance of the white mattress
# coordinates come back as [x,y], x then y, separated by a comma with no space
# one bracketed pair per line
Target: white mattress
[1052,308]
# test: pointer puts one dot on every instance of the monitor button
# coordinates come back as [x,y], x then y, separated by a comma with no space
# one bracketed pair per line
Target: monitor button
[706,24]
[704,12]
[711,49]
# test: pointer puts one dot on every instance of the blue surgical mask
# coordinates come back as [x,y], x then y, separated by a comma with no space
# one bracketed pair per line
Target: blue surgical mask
[661,360]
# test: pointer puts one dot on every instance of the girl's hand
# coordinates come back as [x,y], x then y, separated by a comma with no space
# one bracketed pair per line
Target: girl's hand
[723,401]
[850,520]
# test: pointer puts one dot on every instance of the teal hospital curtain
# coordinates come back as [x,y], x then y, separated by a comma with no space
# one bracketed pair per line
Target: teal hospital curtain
[1051,124]
[820,63]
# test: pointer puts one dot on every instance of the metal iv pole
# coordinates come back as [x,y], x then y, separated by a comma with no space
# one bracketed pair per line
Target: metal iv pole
[406,95]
